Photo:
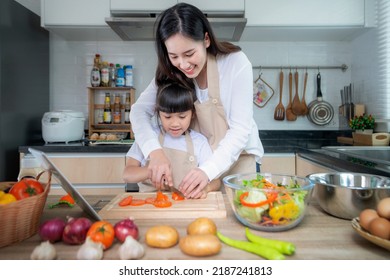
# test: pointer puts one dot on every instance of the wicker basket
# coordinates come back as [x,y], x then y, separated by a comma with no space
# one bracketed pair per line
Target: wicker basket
[20,219]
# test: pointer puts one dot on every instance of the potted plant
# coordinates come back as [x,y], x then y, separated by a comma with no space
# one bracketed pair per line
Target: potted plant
[364,123]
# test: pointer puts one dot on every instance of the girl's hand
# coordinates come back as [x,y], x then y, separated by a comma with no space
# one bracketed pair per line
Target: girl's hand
[193,183]
[159,169]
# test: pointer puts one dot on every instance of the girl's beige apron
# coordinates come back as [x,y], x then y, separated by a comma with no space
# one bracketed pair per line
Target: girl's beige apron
[181,161]
[211,120]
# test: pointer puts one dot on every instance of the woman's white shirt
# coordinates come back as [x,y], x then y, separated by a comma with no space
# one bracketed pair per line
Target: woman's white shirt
[236,94]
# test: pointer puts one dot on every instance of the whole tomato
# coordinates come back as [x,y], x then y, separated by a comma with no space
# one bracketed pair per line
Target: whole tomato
[103,232]
[25,188]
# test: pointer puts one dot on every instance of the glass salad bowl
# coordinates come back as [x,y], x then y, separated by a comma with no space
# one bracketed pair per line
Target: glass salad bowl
[268,202]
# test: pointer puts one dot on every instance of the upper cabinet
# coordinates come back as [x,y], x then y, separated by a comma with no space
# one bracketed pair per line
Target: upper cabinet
[74,13]
[297,20]
[304,13]
[301,20]
[78,20]
[119,7]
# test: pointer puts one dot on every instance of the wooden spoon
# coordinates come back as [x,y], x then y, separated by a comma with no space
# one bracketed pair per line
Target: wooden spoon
[280,110]
[296,104]
[290,116]
[303,102]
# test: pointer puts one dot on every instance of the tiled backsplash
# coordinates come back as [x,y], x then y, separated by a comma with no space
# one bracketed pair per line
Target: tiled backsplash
[71,63]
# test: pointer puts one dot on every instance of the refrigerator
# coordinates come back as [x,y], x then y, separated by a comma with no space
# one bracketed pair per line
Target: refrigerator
[24,83]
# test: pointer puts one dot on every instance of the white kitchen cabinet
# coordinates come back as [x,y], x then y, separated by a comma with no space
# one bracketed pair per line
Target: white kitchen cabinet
[151,6]
[283,163]
[136,6]
[90,168]
[78,20]
[219,6]
[74,13]
[304,13]
[305,167]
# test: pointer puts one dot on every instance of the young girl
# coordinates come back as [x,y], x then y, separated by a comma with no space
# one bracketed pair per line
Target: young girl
[222,76]
[185,148]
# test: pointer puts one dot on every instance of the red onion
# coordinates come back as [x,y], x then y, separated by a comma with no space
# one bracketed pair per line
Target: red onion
[52,230]
[125,228]
[76,230]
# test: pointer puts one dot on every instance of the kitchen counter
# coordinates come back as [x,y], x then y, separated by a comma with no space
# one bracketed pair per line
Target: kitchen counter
[344,163]
[318,237]
[274,141]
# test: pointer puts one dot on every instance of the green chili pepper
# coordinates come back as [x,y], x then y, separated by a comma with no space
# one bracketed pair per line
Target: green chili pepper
[283,247]
[260,250]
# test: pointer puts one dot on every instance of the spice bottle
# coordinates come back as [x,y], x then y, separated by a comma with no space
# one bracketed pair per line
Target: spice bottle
[111,70]
[95,72]
[129,76]
[107,118]
[120,76]
[117,109]
[127,108]
[105,75]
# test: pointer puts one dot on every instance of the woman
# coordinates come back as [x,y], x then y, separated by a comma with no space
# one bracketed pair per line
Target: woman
[185,147]
[189,53]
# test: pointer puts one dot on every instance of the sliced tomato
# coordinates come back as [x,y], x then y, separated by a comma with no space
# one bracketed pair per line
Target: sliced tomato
[162,203]
[126,201]
[137,202]
[67,199]
[176,196]
[161,196]
[150,200]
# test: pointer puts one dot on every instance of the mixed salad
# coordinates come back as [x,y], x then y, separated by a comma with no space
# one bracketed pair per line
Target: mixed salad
[276,204]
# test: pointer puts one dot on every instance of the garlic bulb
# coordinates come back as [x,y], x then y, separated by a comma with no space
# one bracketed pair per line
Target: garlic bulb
[131,249]
[90,250]
[44,251]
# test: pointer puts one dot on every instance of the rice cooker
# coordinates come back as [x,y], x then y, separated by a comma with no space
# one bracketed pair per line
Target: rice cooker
[63,126]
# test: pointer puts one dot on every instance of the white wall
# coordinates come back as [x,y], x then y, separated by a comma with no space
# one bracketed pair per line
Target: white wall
[71,63]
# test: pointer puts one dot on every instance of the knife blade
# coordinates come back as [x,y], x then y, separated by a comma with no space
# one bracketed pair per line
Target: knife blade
[172,188]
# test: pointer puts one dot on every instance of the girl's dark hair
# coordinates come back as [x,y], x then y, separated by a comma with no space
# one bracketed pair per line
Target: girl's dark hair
[175,98]
[190,22]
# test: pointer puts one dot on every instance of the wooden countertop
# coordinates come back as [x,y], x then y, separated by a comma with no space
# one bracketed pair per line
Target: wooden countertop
[318,237]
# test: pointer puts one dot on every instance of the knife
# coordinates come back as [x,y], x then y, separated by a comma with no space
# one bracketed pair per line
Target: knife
[172,189]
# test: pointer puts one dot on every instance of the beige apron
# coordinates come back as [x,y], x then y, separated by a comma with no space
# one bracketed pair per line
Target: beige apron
[211,120]
[181,161]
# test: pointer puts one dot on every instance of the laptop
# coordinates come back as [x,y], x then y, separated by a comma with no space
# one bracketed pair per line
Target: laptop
[47,164]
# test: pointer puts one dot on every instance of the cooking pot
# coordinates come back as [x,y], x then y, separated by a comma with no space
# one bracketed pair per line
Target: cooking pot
[63,126]
[320,112]
[345,195]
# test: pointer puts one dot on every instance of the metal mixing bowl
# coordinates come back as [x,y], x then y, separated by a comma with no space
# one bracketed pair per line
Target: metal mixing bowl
[345,195]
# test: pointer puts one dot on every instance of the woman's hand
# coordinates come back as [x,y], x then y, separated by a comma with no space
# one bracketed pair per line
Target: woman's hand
[193,183]
[159,169]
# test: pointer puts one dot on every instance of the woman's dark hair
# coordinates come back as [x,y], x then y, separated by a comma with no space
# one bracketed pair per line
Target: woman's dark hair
[190,22]
[175,98]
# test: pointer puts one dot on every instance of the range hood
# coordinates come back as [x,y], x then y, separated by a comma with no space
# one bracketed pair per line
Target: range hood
[142,28]
[133,21]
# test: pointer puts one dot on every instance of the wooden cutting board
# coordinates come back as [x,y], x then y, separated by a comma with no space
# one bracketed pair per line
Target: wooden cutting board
[212,207]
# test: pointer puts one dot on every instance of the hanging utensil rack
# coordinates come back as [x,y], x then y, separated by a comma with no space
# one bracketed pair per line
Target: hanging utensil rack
[342,67]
